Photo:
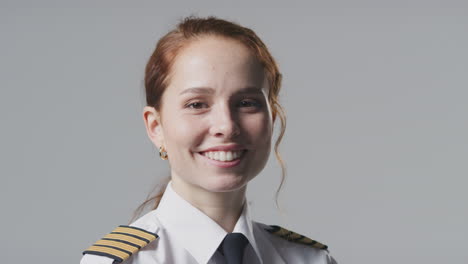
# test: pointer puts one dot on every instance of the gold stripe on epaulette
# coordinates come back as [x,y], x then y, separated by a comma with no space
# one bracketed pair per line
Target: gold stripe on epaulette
[135,232]
[121,243]
[118,244]
[126,238]
[294,237]
[121,255]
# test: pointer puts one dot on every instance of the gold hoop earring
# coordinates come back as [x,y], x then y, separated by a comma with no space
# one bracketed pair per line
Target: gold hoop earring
[162,153]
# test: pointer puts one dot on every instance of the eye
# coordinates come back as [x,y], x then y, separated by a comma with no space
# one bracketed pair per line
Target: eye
[249,103]
[196,105]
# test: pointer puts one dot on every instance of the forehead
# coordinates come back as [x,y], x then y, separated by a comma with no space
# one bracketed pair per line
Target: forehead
[218,63]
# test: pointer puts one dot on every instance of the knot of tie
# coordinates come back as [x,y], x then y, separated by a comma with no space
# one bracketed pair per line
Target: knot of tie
[233,247]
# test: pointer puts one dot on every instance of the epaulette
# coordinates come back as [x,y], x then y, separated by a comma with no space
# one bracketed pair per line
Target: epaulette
[294,237]
[121,243]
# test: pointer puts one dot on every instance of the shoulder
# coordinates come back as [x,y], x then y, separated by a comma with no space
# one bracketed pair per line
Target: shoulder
[123,242]
[293,237]
[294,247]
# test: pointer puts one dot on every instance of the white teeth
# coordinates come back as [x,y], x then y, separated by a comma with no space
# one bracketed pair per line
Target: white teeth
[223,155]
[229,155]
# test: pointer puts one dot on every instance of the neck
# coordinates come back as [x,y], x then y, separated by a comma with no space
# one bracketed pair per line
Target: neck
[224,208]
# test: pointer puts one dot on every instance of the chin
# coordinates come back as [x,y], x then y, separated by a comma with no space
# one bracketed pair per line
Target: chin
[226,184]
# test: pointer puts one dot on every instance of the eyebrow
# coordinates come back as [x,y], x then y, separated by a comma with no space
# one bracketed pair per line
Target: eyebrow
[208,90]
[198,90]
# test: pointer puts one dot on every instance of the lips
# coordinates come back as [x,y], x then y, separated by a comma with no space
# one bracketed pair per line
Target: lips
[231,147]
[224,155]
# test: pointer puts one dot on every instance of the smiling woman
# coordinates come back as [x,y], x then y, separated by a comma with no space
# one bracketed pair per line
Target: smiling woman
[212,99]
[218,116]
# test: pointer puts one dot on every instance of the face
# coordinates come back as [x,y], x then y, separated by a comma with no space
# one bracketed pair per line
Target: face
[215,120]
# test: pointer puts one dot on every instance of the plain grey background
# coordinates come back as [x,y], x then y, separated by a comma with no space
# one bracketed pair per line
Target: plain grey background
[376,145]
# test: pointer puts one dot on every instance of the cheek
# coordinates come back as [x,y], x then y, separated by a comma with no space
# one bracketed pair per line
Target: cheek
[182,133]
[259,128]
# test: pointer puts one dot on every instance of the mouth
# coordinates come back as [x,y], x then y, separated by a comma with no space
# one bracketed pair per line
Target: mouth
[223,159]
[224,156]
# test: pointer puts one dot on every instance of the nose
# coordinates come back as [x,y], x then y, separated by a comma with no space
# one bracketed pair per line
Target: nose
[224,122]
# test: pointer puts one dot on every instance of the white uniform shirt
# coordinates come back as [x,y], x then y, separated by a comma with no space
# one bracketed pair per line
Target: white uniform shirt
[186,235]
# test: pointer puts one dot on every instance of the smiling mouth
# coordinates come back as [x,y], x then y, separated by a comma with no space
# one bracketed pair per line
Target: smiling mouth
[224,155]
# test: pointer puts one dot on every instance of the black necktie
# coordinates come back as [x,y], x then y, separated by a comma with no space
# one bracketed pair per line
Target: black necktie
[233,247]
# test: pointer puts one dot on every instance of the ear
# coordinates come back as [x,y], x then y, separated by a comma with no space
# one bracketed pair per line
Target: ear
[152,120]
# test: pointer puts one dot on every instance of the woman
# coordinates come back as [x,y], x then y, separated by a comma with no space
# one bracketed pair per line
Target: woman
[212,98]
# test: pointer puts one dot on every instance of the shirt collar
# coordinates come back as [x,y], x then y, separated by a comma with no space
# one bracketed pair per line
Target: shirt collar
[194,230]
[244,226]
